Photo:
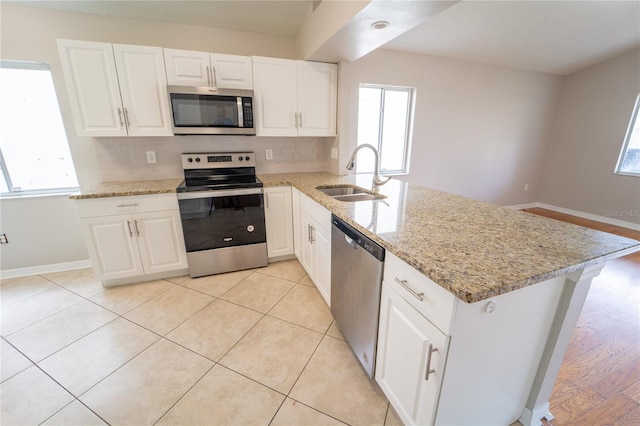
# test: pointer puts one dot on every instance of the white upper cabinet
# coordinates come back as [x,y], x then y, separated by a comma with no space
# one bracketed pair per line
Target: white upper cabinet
[143,87]
[192,68]
[295,98]
[116,90]
[317,98]
[187,68]
[232,71]
[92,84]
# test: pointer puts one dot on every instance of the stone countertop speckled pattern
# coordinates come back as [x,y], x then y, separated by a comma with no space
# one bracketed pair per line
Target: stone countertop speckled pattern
[122,189]
[475,250]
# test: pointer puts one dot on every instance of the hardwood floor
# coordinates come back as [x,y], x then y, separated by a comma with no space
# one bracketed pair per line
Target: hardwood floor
[599,381]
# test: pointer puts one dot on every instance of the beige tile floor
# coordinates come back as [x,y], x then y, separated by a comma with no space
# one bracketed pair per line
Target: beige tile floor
[252,347]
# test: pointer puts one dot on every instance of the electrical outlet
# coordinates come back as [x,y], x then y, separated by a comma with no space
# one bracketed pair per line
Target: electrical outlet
[268,153]
[151,157]
[334,153]
[3,239]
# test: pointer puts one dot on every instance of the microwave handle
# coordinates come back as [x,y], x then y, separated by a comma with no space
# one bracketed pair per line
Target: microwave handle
[240,111]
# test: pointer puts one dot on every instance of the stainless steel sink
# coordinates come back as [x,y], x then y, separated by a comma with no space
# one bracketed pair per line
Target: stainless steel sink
[349,193]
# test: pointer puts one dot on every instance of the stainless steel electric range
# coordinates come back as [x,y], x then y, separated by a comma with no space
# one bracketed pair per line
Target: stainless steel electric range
[222,211]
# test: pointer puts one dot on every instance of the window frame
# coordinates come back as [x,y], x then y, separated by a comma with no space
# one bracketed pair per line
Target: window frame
[408,128]
[13,191]
[627,139]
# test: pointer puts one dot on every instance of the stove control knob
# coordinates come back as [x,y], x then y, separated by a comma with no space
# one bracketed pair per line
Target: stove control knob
[240,158]
[197,159]
[190,160]
[246,158]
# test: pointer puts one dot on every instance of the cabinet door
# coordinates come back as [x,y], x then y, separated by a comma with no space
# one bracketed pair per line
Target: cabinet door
[112,246]
[279,221]
[307,253]
[160,240]
[232,71]
[187,68]
[276,95]
[317,98]
[92,84]
[404,341]
[143,86]
[322,279]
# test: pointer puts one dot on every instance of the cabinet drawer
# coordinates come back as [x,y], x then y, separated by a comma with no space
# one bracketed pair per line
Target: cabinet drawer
[316,211]
[437,304]
[92,207]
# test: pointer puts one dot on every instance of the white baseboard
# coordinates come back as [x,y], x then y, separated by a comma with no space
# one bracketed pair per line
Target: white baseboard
[523,206]
[45,269]
[597,218]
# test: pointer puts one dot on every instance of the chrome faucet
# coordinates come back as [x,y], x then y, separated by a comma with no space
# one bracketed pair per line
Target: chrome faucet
[377,180]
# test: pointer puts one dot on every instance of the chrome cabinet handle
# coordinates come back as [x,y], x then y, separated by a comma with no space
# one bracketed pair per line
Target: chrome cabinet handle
[128,205]
[129,226]
[308,232]
[300,115]
[208,75]
[213,76]
[429,370]
[135,223]
[126,118]
[403,283]
[312,231]
[120,115]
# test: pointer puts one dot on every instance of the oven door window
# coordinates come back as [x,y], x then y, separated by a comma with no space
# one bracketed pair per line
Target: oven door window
[216,222]
[204,110]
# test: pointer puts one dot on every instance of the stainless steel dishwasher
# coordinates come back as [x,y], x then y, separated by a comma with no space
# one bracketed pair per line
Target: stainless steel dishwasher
[356,282]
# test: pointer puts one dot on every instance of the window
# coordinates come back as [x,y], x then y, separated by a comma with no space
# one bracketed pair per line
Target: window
[385,115]
[629,161]
[34,151]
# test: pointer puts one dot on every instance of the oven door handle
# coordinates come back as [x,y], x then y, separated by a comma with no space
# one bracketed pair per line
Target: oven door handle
[218,193]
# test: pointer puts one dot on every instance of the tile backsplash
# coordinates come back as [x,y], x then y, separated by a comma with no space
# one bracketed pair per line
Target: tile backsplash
[122,159]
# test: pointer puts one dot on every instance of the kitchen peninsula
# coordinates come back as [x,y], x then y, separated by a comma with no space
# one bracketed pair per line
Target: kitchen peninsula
[502,293]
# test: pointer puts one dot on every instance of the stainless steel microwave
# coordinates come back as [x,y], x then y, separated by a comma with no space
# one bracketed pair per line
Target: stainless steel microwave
[211,111]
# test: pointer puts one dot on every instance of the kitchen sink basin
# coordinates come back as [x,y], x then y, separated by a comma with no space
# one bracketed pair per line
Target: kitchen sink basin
[349,193]
[333,191]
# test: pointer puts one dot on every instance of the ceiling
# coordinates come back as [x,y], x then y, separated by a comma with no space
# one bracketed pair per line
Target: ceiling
[558,37]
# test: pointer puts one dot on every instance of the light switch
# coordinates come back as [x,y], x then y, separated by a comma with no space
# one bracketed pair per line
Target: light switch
[268,153]
[151,157]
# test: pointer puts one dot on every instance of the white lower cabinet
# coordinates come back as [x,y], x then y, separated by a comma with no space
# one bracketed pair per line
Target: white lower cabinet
[410,360]
[315,244]
[278,214]
[136,244]
[442,361]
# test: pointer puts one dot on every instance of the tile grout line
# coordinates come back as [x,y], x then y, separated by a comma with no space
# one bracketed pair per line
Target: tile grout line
[186,392]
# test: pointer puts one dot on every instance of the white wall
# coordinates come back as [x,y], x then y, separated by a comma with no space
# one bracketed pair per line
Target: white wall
[591,121]
[41,231]
[480,130]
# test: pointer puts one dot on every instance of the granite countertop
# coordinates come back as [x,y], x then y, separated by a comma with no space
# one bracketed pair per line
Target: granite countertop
[122,189]
[475,250]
